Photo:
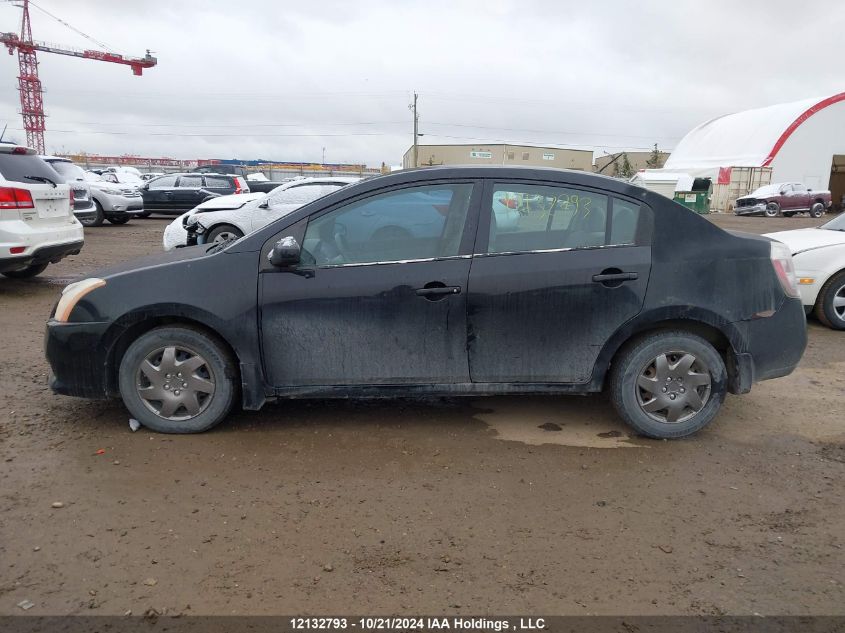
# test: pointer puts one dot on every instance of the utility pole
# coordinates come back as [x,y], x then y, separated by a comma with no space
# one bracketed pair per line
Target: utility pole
[413,108]
[324,156]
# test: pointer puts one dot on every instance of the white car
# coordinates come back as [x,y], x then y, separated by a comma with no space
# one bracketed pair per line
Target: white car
[37,225]
[234,216]
[819,258]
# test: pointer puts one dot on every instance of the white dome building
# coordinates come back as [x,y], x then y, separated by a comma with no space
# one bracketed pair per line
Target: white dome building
[802,141]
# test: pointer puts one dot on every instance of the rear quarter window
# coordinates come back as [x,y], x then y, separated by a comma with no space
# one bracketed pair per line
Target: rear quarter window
[218,182]
[16,167]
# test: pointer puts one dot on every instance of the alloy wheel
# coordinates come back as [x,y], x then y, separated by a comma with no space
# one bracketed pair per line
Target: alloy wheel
[839,303]
[673,387]
[175,383]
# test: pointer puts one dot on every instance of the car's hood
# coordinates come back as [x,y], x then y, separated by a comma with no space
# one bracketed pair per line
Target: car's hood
[149,261]
[800,240]
[234,201]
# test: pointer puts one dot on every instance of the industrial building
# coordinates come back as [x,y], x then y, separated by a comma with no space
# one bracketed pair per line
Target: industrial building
[499,154]
[802,141]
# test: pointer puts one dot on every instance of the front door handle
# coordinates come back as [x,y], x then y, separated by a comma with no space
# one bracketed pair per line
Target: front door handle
[620,276]
[438,291]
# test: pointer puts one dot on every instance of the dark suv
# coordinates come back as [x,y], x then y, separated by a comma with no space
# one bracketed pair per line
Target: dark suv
[418,282]
[177,193]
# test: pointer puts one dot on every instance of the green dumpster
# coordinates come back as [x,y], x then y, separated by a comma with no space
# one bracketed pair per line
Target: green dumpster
[698,197]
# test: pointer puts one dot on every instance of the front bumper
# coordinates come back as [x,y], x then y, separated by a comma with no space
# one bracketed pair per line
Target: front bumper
[77,358]
[754,209]
[43,255]
[117,204]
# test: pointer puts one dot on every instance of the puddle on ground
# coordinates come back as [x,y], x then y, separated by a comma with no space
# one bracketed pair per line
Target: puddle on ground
[578,422]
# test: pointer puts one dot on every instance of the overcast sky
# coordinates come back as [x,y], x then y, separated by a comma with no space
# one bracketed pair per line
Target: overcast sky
[282,80]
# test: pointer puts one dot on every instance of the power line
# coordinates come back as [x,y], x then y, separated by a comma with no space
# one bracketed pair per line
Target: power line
[72,28]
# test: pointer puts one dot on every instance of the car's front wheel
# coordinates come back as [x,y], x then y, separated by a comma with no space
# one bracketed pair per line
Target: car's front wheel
[178,380]
[223,233]
[772,210]
[668,384]
[830,306]
[97,218]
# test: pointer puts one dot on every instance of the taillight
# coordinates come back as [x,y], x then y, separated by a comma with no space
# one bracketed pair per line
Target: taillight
[70,197]
[510,203]
[238,187]
[784,268]
[14,198]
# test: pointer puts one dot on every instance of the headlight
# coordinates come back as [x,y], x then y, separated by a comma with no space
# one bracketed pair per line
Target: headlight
[73,293]
[110,190]
[191,220]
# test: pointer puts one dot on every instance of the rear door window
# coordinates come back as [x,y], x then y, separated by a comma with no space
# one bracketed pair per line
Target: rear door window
[16,167]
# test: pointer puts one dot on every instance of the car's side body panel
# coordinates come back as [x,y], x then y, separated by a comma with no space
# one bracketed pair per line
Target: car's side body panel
[698,274]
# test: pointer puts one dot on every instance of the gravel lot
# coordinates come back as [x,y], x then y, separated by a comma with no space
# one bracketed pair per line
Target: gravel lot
[538,505]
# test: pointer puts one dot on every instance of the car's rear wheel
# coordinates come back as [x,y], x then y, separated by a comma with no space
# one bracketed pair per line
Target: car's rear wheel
[668,384]
[178,380]
[830,306]
[97,218]
[222,233]
[25,273]
[118,219]
[817,210]
[772,210]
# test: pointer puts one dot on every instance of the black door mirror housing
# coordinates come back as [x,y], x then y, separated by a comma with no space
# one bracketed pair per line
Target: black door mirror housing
[286,252]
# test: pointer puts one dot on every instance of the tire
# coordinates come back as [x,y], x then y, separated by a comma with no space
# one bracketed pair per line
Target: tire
[143,214]
[788,214]
[97,220]
[772,210]
[25,273]
[212,381]
[638,369]
[817,210]
[222,232]
[830,306]
[119,219]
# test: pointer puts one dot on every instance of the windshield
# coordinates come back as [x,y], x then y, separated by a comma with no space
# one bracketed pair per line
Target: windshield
[836,224]
[67,170]
[90,176]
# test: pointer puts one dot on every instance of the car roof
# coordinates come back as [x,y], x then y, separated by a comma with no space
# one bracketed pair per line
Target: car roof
[9,148]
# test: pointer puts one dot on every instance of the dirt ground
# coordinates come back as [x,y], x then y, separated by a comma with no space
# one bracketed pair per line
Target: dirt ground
[536,505]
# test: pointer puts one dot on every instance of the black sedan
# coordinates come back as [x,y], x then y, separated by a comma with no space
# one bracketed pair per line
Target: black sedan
[447,281]
[176,193]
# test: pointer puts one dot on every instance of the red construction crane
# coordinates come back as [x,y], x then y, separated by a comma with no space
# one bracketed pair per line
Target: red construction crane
[32,104]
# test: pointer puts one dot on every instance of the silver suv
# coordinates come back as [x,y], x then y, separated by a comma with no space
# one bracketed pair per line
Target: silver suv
[83,204]
[116,195]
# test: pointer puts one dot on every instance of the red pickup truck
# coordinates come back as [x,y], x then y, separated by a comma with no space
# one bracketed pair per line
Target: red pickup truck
[783,198]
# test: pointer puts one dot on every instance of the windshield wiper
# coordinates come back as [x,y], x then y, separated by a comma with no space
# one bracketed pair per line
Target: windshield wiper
[43,179]
[221,245]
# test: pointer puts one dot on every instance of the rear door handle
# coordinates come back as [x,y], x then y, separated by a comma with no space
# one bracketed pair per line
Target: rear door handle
[438,291]
[603,277]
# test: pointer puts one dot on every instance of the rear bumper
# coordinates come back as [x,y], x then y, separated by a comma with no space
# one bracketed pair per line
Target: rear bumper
[774,346]
[43,255]
[77,358]
[86,213]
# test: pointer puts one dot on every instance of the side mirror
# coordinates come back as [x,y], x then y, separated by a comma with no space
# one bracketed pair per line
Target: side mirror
[264,205]
[286,252]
